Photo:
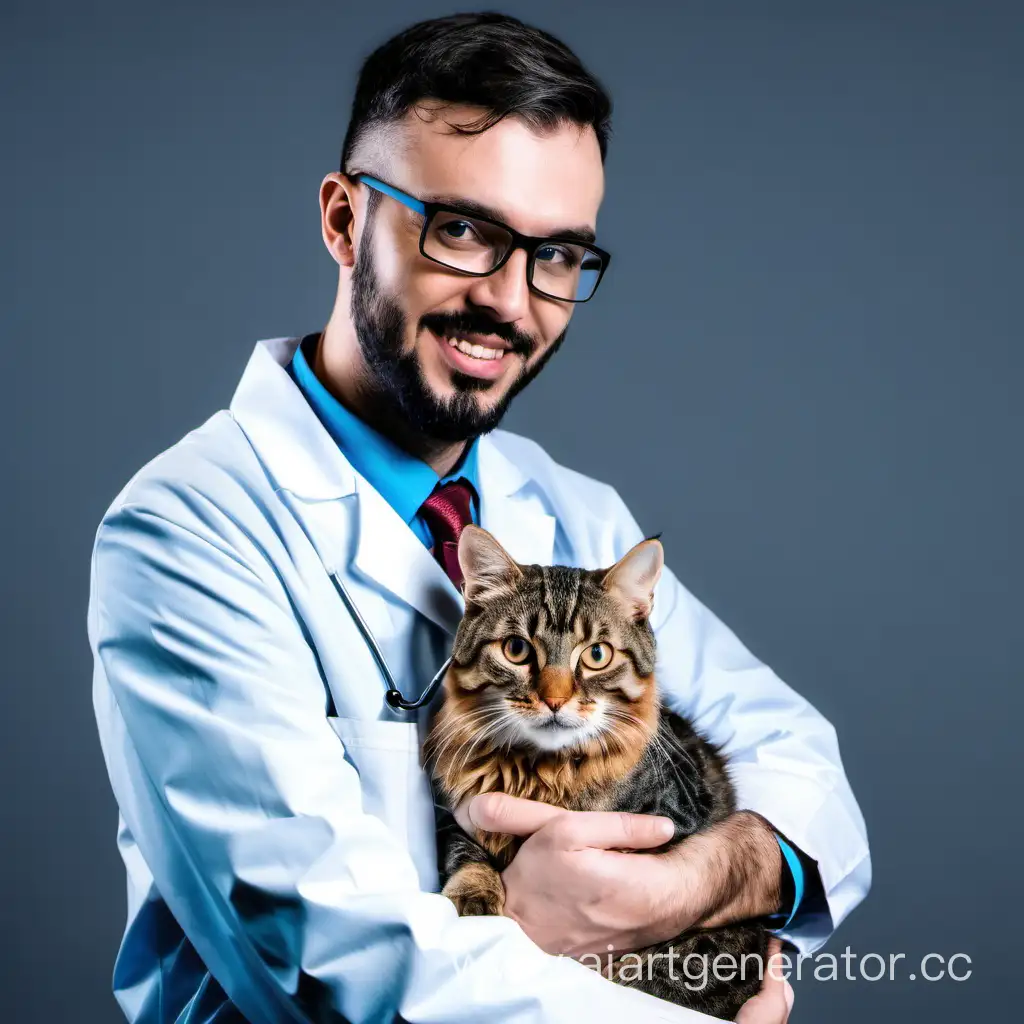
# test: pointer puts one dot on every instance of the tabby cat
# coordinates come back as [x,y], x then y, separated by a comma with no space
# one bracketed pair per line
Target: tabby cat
[551,695]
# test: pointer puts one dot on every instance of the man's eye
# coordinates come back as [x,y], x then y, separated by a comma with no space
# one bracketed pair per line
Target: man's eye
[596,655]
[554,254]
[457,229]
[517,650]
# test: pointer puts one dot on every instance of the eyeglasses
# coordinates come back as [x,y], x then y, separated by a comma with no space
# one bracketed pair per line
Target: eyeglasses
[562,268]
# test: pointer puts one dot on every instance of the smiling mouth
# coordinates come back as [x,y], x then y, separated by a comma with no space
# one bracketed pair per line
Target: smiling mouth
[468,354]
[475,350]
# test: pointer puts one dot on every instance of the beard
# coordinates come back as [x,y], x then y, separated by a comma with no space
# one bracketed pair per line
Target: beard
[393,383]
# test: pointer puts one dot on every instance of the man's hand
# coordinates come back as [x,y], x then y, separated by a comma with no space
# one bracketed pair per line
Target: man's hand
[772,1004]
[568,888]
[574,893]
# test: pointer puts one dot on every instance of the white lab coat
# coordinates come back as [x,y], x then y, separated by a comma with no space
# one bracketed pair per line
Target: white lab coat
[275,824]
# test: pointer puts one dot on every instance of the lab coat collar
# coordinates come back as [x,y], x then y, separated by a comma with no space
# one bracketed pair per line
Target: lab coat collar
[303,460]
[298,453]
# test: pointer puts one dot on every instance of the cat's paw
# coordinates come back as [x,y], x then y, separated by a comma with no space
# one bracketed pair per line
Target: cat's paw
[476,890]
[476,905]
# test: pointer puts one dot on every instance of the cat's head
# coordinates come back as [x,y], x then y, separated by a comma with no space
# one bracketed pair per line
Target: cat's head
[552,658]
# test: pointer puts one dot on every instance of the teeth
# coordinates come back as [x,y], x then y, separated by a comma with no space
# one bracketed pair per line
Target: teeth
[476,351]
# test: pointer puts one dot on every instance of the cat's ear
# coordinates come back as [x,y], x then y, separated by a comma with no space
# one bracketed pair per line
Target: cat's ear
[631,580]
[486,566]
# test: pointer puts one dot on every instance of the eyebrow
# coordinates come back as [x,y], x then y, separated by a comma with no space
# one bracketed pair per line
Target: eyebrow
[584,235]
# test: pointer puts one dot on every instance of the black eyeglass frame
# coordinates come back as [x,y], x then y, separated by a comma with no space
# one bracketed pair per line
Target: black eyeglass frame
[529,243]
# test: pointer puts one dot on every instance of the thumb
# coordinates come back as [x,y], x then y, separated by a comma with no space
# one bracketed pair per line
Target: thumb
[773,1003]
[611,830]
[512,815]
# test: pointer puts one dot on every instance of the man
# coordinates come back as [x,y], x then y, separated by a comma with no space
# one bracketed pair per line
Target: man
[276,825]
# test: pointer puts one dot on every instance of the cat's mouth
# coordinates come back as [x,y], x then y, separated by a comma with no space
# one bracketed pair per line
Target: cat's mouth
[552,733]
[553,723]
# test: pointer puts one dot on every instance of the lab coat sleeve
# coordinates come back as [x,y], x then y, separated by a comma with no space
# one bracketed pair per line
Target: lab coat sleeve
[240,798]
[783,755]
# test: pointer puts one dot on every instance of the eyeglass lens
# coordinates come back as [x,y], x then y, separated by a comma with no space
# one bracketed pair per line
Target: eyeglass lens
[563,270]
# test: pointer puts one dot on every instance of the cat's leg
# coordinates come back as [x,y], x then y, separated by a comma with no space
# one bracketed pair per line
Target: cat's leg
[476,890]
[713,972]
[470,880]
[473,885]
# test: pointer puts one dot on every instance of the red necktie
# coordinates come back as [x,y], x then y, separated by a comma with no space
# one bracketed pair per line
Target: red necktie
[446,512]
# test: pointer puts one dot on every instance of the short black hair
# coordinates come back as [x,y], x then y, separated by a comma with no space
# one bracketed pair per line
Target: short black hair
[487,60]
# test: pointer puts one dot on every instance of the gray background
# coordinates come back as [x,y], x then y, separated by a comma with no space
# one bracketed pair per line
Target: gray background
[810,338]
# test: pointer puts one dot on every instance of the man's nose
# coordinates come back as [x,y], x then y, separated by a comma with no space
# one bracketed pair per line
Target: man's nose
[505,292]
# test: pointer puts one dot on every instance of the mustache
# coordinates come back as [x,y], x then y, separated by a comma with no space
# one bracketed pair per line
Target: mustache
[521,343]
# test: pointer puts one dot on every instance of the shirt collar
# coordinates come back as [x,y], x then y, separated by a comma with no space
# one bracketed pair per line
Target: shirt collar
[403,480]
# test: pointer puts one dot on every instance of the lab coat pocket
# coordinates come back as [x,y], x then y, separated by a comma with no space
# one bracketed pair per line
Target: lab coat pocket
[395,788]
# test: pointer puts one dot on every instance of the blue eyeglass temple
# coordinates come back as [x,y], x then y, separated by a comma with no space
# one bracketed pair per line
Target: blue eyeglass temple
[388,190]
[407,200]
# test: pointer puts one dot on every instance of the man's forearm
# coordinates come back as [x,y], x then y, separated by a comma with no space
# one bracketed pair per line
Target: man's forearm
[782,753]
[729,872]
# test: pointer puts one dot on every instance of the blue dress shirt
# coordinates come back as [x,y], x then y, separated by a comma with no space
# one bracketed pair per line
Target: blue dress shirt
[405,482]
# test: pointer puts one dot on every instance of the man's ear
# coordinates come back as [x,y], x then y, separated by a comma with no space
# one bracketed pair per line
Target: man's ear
[486,566]
[337,217]
[631,580]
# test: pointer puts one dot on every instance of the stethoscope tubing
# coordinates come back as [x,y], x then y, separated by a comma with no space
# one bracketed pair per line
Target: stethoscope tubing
[393,697]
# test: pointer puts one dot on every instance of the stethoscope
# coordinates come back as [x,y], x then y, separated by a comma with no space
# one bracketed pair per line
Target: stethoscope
[393,697]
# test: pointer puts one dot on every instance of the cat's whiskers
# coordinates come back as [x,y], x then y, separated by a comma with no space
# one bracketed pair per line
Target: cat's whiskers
[681,751]
[443,734]
[654,743]
[667,760]
[454,730]
[492,718]
[659,764]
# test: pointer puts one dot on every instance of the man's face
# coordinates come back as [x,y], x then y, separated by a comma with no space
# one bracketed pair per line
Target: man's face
[407,310]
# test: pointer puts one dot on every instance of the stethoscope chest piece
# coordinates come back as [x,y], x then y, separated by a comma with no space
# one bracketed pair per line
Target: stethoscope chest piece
[394,699]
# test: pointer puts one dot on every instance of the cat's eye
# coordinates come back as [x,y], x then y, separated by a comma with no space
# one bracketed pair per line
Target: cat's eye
[596,656]
[517,650]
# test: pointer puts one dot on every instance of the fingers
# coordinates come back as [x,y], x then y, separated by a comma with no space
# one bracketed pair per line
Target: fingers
[569,830]
[461,815]
[512,815]
[772,1004]
[775,981]
[609,830]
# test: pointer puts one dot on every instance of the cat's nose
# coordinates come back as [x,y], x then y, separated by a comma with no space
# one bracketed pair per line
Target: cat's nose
[555,686]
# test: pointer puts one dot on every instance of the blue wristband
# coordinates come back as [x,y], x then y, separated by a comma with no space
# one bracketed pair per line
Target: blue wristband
[796,871]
